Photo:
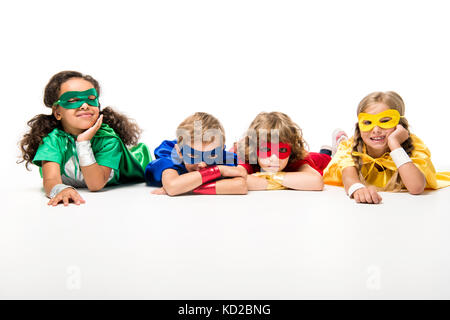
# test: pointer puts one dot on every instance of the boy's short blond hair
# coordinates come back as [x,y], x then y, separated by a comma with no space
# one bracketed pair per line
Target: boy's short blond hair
[200,124]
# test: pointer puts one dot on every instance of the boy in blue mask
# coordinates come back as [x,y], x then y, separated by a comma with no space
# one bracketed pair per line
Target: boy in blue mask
[197,161]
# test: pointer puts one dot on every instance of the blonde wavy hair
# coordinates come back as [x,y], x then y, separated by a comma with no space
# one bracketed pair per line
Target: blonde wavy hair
[393,101]
[200,124]
[277,125]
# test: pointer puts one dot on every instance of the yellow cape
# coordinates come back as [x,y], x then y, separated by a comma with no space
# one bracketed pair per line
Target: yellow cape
[420,156]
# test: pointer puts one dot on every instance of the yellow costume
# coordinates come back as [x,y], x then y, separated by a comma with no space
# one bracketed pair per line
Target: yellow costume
[420,157]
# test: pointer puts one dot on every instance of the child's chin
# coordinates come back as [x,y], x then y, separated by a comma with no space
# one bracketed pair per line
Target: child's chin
[85,126]
[271,169]
[378,147]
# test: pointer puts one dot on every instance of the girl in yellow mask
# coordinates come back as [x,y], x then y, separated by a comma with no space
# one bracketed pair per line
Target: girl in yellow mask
[383,155]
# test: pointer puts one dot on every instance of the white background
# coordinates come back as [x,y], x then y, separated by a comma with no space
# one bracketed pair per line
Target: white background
[160,61]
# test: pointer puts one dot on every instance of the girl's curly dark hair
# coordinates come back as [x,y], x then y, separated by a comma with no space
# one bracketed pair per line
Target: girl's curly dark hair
[42,124]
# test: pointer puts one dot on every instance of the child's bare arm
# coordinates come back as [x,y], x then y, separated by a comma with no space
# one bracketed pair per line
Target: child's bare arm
[95,176]
[349,177]
[305,179]
[52,177]
[362,195]
[230,171]
[51,174]
[256,183]
[236,185]
[175,184]
[412,178]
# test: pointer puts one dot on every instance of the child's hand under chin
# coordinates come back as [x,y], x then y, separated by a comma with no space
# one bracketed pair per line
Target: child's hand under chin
[397,137]
[90,133]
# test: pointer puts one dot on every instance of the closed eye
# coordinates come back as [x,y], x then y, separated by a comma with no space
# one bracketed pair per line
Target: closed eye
[92,97]
[74,100]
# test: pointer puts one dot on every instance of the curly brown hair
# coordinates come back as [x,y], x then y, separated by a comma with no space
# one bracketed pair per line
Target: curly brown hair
[393,101]
[277,125]
[42,124]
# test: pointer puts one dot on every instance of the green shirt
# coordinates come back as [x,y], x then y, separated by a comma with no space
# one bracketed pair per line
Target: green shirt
[109,151]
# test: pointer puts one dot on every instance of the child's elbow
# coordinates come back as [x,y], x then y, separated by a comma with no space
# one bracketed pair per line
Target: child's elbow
[416,190]
[320,185]
[95,188]
[171,189]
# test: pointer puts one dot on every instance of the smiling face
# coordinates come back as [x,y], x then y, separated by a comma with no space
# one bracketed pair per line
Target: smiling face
[376,140]
[75,121]
[199,146]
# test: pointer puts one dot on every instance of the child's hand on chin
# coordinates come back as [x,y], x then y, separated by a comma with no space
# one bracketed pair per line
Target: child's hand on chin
[397,137]
[90,133]
[66,196]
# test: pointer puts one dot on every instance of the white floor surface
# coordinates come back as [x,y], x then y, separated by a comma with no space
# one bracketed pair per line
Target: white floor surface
[126,243]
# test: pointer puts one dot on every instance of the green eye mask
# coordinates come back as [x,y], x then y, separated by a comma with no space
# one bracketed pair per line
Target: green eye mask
[75,99]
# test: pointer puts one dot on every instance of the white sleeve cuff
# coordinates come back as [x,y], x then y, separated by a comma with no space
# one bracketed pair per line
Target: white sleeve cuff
[354,187]
[400,157]
[85,153]
[57,189]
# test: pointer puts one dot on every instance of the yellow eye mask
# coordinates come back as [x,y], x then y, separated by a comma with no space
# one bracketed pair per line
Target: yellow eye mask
[387,119]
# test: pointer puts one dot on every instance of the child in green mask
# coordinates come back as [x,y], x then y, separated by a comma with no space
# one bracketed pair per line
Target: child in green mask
[80,145]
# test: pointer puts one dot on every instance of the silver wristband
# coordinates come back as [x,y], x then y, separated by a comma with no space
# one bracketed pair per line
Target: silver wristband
[57,189]
[400,157]
[354,187]
[85,153]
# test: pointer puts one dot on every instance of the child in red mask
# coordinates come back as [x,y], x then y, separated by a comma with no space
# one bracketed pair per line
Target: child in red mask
[274,155]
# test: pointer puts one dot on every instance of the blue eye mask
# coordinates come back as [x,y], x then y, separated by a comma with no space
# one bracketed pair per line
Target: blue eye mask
[192,156]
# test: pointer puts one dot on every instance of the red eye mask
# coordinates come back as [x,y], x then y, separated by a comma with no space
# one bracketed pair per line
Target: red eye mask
[281,150]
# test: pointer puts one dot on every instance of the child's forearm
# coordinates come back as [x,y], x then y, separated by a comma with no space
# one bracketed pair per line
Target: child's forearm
[51,175]
[95,176]
[236,185]
[231,171]
[256,183]
[50,183]
[350,177]
[412,178]
[179,184]
[303,181]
